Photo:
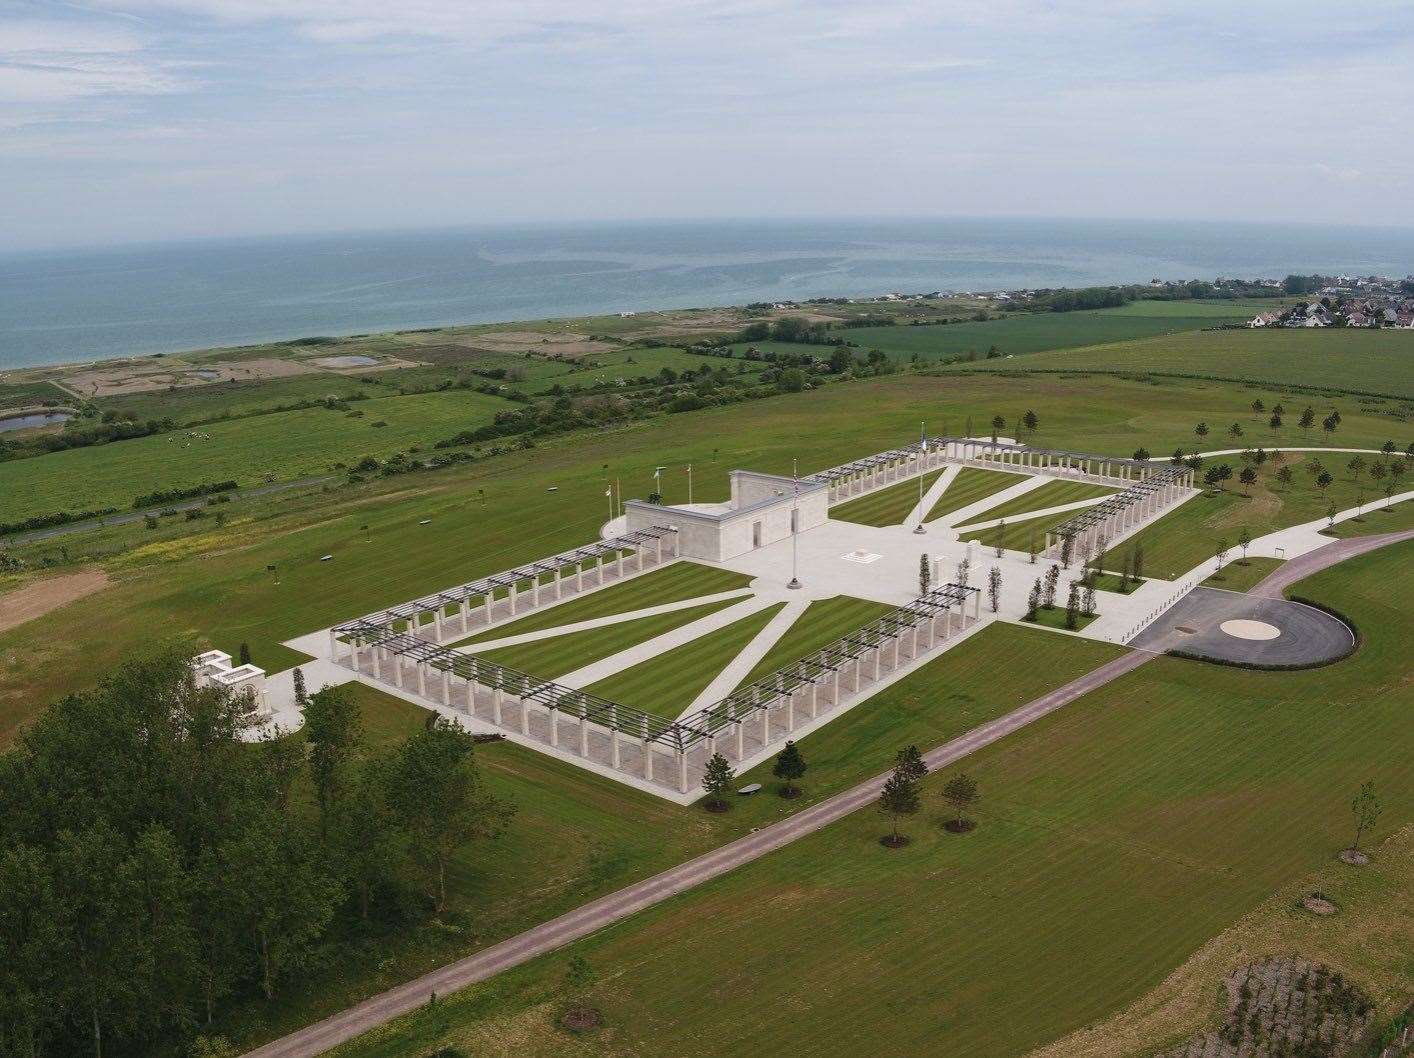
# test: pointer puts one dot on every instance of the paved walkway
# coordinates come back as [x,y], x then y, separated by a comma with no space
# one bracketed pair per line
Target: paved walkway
[996,499]
[639,652]
[1025,516]
[558,932]
[933,495]
[599,622]
[725,681]
[1274,585]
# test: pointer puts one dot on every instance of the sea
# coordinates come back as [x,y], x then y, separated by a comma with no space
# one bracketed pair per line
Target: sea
[79,305]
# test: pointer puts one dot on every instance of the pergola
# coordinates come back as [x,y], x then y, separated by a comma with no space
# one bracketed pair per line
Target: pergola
[1121,512]
[510,585]
[626,739]
[862,475]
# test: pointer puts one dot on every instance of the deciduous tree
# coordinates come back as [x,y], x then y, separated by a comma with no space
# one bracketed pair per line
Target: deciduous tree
[789,768]
[960,792]
[435,792]
[717,779]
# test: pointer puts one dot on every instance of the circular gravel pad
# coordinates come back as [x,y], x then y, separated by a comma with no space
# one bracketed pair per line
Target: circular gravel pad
[1250,629]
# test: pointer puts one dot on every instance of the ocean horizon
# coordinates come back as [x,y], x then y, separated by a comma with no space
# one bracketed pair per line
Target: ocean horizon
[63,306]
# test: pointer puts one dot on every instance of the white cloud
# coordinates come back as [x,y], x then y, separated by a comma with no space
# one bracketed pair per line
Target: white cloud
[47,62]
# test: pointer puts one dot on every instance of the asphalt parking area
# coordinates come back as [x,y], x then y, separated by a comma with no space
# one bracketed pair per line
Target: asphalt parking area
[1247,629]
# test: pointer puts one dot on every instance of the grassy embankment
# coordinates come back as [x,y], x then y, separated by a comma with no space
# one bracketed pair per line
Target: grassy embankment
[576,836]
[1119,834]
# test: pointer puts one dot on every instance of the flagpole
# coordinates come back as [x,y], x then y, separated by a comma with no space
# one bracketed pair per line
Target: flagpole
[794,528]
[922,452]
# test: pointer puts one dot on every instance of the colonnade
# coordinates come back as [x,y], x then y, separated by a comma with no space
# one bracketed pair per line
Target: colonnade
[855,479]
[1118,515]
[501,595]
[620,740]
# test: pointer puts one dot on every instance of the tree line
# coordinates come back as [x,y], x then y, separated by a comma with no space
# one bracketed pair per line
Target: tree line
[155,868]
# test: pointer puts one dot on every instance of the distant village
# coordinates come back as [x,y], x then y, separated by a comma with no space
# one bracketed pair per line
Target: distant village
[1346,301]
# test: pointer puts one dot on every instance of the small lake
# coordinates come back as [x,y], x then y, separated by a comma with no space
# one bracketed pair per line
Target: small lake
[346,361]
[29,422]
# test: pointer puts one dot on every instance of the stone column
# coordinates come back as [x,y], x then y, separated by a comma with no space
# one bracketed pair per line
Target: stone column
[765,726]
[740,741]
[437,621]
[557,582]
[583,731]
[554,718]
[814,699]
[682,772]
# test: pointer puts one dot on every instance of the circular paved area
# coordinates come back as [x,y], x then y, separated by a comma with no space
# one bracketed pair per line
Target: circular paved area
[1249,630]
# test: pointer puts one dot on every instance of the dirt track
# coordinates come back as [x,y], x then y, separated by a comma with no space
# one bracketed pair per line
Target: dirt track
[43,596]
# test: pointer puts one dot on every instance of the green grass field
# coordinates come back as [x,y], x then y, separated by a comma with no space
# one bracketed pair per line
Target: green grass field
[1051,494]
[580,836]
[972,485]
[1187,536]
[1118,834]
[674,583]
[558,655]
[1371,361]
[889,506]
[194,403]
[625,365]
[667,684]
[281,446]
[214,585]
[1241,574]
[1383,520]
[1031,332]
[1017,535]
[27,394]
[823,621]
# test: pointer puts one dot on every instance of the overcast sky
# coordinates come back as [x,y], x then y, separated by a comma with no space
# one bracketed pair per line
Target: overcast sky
[125,120]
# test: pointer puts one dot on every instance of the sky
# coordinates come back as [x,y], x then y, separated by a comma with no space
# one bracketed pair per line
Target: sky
[148,120]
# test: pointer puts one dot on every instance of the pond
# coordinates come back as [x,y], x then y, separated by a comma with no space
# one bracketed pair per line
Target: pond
[346,361]
[34,419]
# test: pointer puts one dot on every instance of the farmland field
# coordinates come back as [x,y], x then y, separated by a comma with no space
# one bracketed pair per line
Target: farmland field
[1096,823]
[1361,360]
[280,446]
[1031,332]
